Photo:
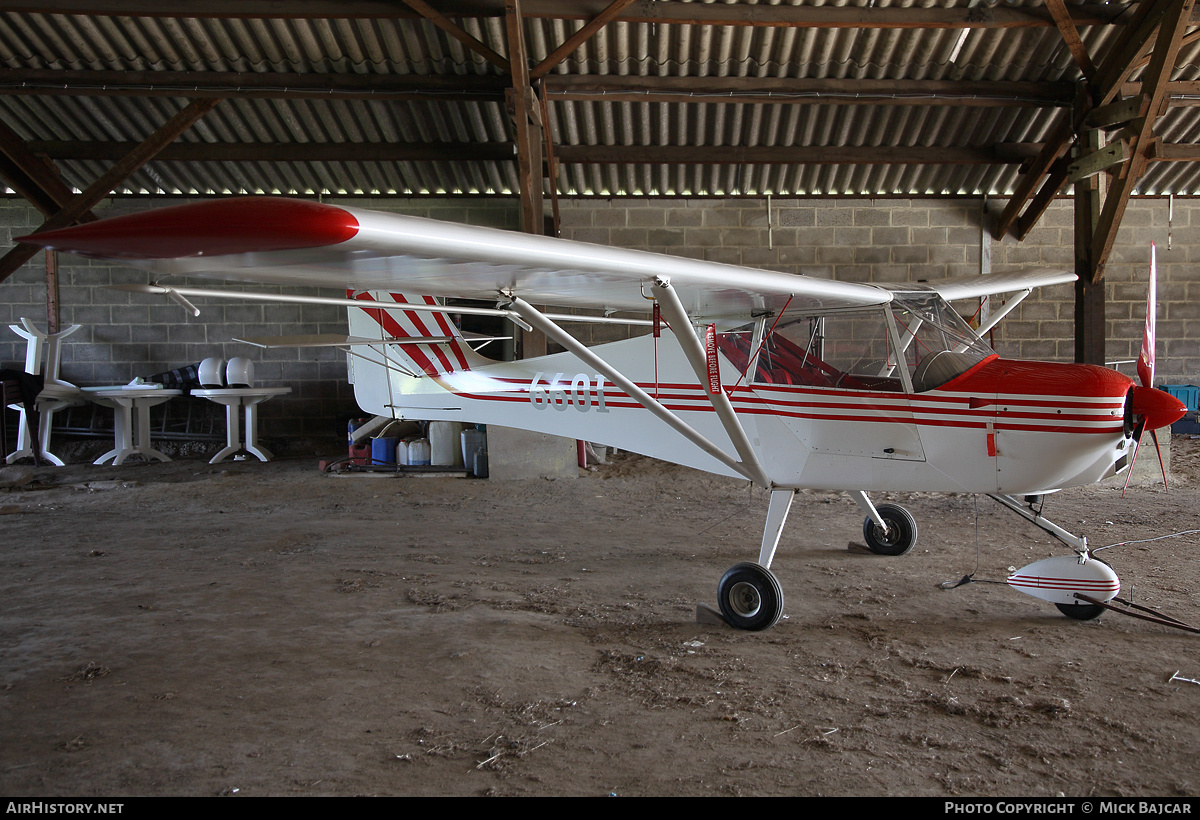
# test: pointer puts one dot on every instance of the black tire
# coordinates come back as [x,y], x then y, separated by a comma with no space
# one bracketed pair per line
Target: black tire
[1081,612]
[901,533]
[750,597]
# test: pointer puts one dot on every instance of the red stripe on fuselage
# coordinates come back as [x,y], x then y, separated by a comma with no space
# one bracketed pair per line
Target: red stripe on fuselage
[1043,386]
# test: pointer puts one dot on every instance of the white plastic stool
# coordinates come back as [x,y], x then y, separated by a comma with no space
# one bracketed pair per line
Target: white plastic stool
[56,394]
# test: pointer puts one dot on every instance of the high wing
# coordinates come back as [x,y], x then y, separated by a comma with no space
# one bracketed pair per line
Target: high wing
[287,241]
[298,242]
[974,286]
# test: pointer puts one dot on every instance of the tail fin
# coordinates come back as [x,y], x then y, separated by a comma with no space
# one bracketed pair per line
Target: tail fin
[442,349]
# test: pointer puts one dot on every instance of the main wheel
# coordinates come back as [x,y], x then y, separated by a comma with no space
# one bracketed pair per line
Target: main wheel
[750,597]
[900,535]
[1081,612]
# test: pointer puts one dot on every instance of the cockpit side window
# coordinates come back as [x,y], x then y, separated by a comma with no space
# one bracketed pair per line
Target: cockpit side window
[855,351]
[846,350]
[936,344]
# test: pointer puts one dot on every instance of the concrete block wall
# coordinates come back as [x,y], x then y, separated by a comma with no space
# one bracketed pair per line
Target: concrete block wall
[902,240]
[884,240]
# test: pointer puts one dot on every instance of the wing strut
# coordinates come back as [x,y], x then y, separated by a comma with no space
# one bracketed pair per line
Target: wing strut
[539,320]
[1004,310]
[681,326]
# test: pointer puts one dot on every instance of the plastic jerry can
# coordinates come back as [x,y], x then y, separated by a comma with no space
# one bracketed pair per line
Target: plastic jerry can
[383,450]
[418,452]
[444,445]
[474,441]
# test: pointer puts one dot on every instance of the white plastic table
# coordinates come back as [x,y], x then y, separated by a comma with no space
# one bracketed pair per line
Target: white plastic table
[235,398]
[126,402]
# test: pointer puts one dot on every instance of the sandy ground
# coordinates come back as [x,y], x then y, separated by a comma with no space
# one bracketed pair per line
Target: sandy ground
[262,629]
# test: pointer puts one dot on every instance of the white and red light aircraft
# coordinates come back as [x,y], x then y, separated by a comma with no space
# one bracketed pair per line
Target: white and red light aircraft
[790,381]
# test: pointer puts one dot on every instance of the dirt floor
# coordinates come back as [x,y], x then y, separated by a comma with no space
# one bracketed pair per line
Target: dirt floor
[263,629]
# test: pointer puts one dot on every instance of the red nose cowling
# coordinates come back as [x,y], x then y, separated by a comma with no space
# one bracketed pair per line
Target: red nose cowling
[1158,407]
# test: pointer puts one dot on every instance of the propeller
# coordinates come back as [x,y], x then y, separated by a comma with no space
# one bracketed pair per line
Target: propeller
[1151,407]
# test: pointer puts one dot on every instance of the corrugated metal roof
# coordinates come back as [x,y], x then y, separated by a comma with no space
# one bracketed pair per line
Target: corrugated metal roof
[393,47]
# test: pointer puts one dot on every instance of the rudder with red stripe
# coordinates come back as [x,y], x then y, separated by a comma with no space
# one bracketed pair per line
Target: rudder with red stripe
[429,358]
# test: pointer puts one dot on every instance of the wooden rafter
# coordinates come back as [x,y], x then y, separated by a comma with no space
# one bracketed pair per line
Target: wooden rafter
[1053,149]
[551,165]
[1070,34]
[577,39]
[1188,39]
[1129,48]
[1003,153]
[1172,24]
[641,11]
[447,25]
[613,88]
[808,90]
[33,176]
[82,203]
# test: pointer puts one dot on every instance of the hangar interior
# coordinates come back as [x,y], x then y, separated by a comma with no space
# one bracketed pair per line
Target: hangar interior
[883,141]
[263,629]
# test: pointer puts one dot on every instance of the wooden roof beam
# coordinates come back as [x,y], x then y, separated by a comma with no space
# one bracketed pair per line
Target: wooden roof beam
[1070,34]
[809,90]
[641,11]
[527,117]
[250,84]
[615,88]
[1052,150]
[1126,52]
[1172,25]
[447,25]
[577,39]
[1006,153]
[34,176]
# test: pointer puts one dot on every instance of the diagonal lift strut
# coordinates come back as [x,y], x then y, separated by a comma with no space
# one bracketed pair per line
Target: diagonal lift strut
[539,320]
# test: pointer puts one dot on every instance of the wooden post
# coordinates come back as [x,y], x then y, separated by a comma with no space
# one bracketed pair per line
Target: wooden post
[1089,293]
[51,292]
[525,110]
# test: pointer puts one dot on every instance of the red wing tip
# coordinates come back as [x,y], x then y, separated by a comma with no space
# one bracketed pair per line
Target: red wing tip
[215,227]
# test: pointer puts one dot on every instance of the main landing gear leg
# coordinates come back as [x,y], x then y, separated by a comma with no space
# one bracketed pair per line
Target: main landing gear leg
[750,595]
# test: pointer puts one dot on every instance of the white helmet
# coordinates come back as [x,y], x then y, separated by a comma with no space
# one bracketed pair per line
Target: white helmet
[240,372]
[212,373]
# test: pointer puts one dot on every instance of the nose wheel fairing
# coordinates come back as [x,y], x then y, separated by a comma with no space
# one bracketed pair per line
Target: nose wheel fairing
[1061,580]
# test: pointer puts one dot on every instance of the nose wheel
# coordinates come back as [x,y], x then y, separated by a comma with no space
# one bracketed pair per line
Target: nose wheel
[1081,612]
[750,597]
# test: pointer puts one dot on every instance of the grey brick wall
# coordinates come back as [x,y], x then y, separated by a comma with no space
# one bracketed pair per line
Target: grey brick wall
[887,240]
[899,240]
